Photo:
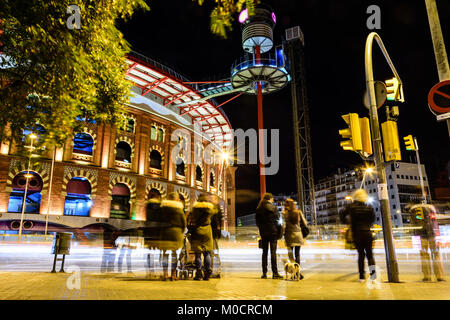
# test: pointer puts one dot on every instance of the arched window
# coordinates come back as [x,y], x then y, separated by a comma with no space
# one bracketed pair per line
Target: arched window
[153,133]
[33,197]
[78,199]
[180,167]
[155,159]
[212,179]
[130,125]
[160,135]
[198,173]
[120,203]
[83,143]
[123,152]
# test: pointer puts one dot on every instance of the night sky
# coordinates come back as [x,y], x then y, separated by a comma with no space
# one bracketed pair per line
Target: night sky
[335,33]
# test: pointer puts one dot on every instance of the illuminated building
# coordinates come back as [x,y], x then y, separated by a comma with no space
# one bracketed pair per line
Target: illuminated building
[106,174]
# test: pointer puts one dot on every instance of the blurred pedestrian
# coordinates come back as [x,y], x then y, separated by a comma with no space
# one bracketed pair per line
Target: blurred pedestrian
[172,231]
[270,229]
[109,250]
[360,218]
[199,227]
[216,226]
[123,242]
[152,232]
[423,218]
[293,233]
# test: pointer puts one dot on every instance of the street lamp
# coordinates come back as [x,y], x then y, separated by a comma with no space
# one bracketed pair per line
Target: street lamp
[368,170]
[32,136]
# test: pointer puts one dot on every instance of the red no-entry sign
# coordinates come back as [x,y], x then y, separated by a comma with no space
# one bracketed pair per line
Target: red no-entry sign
[439,98]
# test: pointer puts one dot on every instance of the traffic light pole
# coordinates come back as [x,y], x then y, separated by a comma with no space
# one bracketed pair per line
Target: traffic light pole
[391,262]
[438,44]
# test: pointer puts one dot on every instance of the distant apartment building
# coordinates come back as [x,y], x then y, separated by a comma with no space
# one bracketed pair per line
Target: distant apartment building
[403,184]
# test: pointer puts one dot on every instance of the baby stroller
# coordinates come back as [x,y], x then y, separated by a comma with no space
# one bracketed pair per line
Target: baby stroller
[215,257]
[186,261]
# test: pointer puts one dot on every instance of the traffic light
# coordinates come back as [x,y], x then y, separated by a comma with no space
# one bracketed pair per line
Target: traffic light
[409,142]
[393,89]
[353,133]
[365,136]
[419,213]
[391,143]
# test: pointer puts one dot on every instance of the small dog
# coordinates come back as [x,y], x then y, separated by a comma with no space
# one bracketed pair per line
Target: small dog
[292,270]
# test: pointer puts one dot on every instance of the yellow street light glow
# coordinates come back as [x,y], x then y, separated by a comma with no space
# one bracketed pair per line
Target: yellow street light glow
[348,198]
[33,136]
[369,170]
[225,156]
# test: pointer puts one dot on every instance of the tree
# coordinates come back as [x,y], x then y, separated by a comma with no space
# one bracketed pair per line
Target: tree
[222,15]
[50,74]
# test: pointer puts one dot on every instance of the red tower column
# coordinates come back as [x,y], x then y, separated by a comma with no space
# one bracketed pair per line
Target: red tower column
[262,176]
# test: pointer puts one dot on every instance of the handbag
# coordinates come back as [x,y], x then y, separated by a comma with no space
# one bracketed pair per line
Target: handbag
[260,243]
[304,227]
[349,243]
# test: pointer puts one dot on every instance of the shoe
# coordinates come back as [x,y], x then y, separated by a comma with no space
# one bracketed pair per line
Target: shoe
[277,276]
[206,276]
[426,279]
[198,275]
[441,280]
[301,276]
[264,276]
[373,276]
[362,280]
[173,276]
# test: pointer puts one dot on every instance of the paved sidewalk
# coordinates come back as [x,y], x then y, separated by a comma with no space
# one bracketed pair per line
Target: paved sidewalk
[232,286]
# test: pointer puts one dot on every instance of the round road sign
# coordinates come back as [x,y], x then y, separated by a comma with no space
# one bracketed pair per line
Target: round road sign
[439,98]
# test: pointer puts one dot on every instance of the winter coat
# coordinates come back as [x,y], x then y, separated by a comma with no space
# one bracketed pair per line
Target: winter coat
[362,217]
[268,221]
[173,225]
[152,230]
[293,233]
[200,226]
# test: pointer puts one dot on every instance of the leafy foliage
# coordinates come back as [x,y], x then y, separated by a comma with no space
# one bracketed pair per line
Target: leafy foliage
[50,74]
[222,15]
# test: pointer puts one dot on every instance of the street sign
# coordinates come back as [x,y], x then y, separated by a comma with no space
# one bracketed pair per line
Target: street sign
[439,100]
[380,94]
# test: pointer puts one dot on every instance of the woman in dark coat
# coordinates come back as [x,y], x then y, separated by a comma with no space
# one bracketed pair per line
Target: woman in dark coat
[269,225]
[201,235]
[293,233]
[361,217]
[172,231]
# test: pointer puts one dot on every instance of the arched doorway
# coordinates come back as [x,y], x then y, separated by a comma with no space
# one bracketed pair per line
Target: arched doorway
[83,143]
[120,203]
[154,194]
[155,160]
[123,152]
[33,197]
[78,199]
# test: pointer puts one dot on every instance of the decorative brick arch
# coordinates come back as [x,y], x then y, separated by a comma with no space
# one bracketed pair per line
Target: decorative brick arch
[161,187]
[127,140]
[17,166]
[89,174]
[160,150]
[119,178]
[186,194]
